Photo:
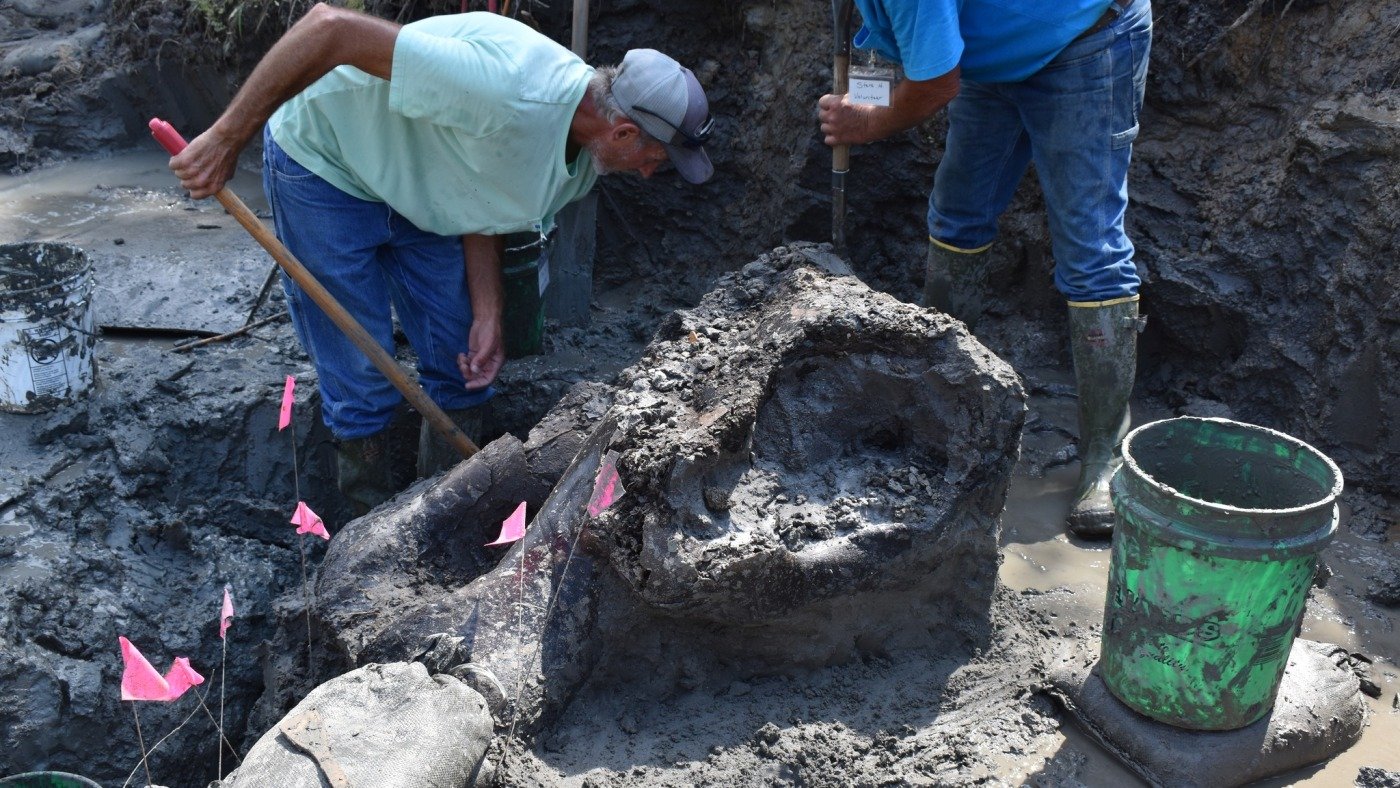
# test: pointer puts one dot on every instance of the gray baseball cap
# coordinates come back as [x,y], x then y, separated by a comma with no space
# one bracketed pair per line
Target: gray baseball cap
[665,99]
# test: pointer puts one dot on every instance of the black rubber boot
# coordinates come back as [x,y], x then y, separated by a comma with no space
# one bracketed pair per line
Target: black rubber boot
[373,469]
[365,472]
[435,454]
[954,281]
[1103,339]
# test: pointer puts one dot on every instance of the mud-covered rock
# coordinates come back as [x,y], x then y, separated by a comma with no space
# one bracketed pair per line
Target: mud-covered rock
[1386,588]
[1372,777]
[1371,516]
[385,725]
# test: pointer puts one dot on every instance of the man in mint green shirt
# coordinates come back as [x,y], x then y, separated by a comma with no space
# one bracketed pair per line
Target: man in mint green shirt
[396,157]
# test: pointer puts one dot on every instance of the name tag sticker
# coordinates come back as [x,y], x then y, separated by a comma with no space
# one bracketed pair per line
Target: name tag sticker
[870,90]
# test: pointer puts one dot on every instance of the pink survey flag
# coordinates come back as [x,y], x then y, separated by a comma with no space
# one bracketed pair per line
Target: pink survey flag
[513,528]
[607,488]
[308,522]
[225,613]
[140,681]
[288,396]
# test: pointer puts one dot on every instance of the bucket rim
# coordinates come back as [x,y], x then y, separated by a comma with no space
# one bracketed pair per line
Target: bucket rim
[14,779]
[1330,499]
[63,284]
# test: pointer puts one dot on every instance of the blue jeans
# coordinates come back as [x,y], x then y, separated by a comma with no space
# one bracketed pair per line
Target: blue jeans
[1076,119]
[368,256]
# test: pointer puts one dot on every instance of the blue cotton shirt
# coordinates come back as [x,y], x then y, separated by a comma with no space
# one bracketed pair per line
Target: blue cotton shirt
[993,40]
[468,136]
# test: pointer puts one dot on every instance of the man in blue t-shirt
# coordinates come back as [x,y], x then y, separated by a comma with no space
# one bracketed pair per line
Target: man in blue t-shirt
[1060,84]
[395,158]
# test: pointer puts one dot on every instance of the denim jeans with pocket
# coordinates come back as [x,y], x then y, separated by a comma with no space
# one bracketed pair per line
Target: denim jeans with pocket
[1076,119]
[368,257]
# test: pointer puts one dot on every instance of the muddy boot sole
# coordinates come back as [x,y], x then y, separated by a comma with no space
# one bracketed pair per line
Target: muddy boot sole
[1091,524]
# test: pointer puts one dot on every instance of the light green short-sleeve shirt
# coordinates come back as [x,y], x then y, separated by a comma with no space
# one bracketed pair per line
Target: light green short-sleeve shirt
[468,136]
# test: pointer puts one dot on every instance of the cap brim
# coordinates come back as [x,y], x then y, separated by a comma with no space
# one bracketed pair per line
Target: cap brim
[692,163]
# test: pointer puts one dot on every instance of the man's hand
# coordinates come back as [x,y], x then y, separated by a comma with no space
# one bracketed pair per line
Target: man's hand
[844,123]
[486,354]
[206,164]
[912,102]
[486,348]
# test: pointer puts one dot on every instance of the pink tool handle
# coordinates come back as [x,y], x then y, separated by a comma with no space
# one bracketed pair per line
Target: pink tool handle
[167,136]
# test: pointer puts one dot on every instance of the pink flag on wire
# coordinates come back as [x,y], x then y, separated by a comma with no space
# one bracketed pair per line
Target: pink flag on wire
[513,528]
[140,681]
[607,488]
[225,613]
[285,416]
[308,522]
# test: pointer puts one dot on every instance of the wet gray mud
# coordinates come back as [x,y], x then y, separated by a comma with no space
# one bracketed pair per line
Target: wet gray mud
[1264,190]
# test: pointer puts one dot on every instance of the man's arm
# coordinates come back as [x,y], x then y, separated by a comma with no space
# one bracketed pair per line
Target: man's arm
[912,102]
[323,39]
[486,342]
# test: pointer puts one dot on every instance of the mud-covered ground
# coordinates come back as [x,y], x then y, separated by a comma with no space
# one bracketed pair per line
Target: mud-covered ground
[1265,193]
[170,480]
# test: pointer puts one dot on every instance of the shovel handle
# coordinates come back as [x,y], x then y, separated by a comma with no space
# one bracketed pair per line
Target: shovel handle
[841,69]
[840,86]
[171,140]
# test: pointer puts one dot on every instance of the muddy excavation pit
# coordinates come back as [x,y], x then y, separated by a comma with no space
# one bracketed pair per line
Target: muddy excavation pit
[754,617]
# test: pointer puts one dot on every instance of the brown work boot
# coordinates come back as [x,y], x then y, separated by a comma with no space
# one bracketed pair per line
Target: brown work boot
[435,454]
[1103,340]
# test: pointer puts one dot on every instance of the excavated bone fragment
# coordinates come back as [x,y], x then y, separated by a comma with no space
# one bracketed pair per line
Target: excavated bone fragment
[807,460]
[809,465]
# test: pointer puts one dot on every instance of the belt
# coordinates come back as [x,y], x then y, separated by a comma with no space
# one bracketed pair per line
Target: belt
[1115,9]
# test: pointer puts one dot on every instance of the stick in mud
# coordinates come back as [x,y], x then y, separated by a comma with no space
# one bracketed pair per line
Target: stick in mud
[262,294]
[301,548]
[229,335]
[141,742]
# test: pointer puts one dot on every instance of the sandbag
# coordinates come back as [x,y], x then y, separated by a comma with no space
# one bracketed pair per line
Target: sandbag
[381,726]
[1319,712]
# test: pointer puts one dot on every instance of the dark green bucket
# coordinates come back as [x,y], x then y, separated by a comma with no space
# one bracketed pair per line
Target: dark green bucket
[523,319]
[47,780]
[1218,526]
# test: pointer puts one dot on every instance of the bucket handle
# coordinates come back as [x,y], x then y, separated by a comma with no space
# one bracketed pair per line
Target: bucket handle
[76,330]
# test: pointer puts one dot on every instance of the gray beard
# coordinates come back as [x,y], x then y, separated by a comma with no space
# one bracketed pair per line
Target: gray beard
[598,165]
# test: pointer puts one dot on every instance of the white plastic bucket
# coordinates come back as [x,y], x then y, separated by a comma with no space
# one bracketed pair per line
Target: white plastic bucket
[46,325]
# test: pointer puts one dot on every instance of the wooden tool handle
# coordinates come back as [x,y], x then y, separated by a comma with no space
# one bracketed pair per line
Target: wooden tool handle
[171,140]
[840,85]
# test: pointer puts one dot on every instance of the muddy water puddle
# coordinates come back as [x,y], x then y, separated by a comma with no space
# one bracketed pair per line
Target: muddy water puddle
[75,198]
[161,260]
[1068,579]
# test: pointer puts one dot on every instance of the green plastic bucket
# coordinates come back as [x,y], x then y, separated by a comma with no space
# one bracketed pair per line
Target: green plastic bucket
[1217,529]
[524,284]
[47,780]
